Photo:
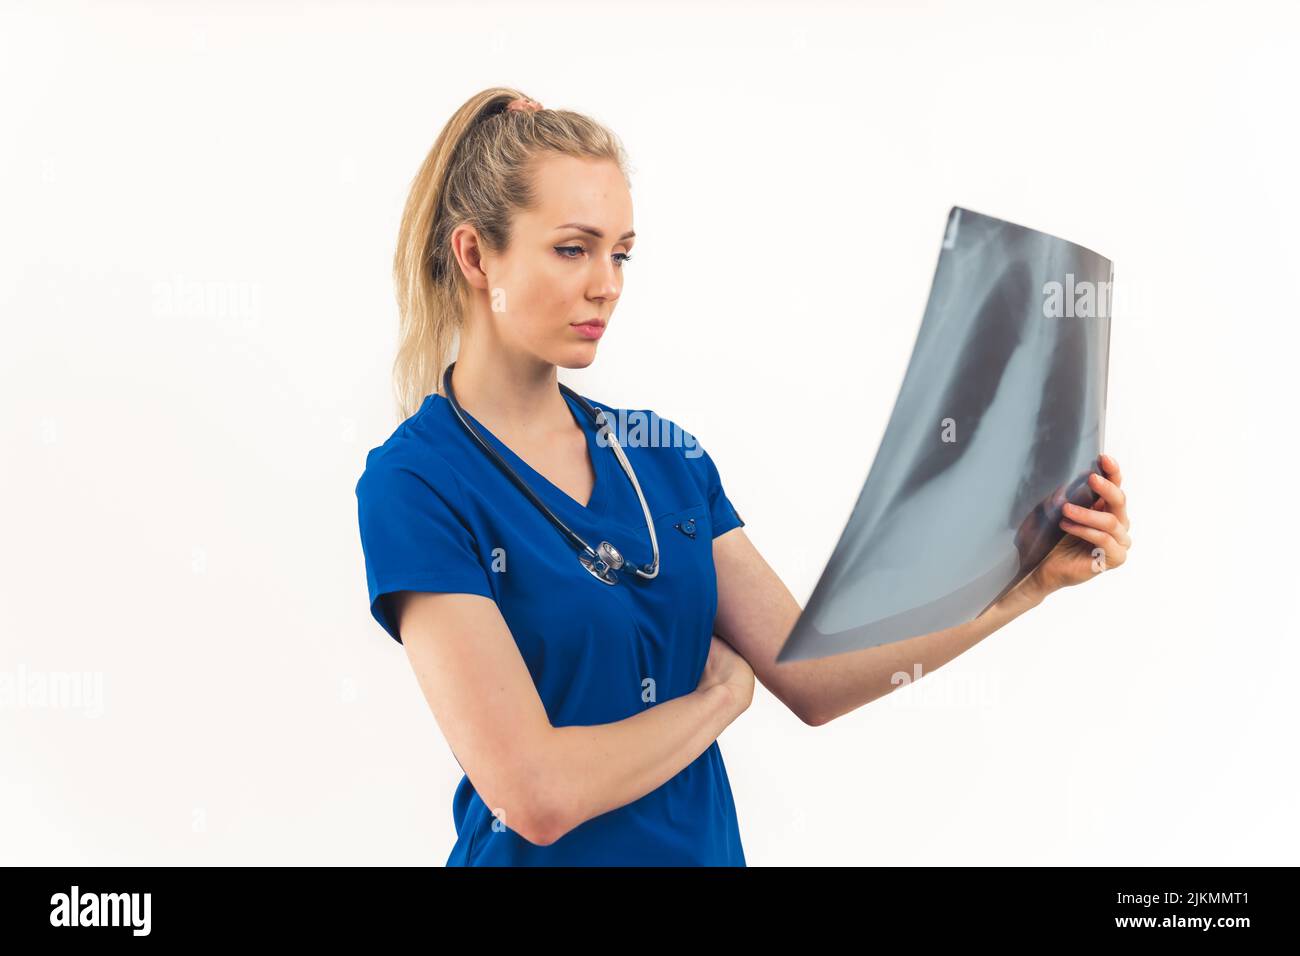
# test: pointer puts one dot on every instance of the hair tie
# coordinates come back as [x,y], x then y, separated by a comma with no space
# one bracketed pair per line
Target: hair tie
[524,104]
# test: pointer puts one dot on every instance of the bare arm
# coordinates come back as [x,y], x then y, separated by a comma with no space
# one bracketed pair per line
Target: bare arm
[756,613]
[540,780]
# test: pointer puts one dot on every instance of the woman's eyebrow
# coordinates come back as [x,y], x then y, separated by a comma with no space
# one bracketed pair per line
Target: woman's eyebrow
[593,230]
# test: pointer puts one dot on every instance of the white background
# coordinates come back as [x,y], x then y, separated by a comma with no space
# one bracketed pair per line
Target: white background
[178,472]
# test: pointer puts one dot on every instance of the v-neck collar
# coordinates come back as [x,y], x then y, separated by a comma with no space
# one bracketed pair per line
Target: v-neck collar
[540,485]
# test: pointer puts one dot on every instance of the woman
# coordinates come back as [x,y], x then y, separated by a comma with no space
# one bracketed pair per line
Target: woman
[584,714]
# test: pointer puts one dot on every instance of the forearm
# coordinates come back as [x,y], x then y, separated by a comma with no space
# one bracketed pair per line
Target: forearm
[832,686]
[594,769]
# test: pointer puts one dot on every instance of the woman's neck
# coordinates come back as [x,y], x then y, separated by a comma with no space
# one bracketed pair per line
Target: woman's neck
[511,395]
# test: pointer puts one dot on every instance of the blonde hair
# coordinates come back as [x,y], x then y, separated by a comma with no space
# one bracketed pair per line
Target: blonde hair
[477,172]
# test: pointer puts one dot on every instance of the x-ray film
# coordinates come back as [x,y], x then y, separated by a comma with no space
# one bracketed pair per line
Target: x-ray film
[997,424]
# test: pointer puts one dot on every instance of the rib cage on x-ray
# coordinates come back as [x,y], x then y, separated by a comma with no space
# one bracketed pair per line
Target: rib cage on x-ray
[943,528]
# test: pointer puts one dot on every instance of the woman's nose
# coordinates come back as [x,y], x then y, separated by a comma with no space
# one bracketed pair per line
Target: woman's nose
[605,284]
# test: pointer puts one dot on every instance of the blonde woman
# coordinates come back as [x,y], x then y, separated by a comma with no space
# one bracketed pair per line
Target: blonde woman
[559,597]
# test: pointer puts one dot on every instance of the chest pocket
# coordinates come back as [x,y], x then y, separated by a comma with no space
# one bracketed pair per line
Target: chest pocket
[686,589]
[691,522]
[682,528]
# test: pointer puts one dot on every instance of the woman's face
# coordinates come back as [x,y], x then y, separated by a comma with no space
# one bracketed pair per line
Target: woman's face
[564,266]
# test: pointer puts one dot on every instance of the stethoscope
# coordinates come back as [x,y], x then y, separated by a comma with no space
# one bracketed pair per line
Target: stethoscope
[605,559]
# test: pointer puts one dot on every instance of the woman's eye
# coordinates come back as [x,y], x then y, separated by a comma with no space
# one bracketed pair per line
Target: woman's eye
[619,257]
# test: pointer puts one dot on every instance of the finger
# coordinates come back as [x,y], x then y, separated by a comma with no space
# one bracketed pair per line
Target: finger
[1115,553]
[1102,520]
[1111,467]
[1114,495]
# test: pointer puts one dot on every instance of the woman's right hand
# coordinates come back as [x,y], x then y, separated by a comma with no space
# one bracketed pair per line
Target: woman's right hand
[729,669]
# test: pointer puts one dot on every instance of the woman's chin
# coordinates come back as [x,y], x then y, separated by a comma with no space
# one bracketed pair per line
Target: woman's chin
[579,356]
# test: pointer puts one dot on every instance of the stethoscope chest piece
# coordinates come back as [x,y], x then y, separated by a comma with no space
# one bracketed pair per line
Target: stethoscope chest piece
[607,561]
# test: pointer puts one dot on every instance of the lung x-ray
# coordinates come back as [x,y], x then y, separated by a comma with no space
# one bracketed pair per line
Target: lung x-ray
[998,422]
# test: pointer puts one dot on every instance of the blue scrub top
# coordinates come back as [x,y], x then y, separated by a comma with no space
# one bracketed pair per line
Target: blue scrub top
[437,514]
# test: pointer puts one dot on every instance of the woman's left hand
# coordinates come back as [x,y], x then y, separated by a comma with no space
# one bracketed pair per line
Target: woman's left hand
[1097,538]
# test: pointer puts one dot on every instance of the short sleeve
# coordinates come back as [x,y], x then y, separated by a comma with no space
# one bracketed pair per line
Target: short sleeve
[723,515]
[415,538]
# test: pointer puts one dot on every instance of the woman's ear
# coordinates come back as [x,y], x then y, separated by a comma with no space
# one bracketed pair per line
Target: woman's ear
[468,250]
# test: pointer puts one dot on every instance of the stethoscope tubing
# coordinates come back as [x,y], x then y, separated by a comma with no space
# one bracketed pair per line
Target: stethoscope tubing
[646,572]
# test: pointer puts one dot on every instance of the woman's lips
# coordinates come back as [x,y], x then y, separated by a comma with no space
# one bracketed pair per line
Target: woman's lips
[589,330]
